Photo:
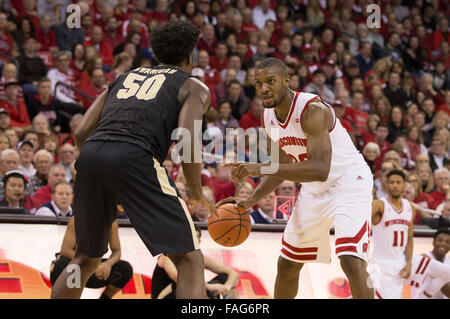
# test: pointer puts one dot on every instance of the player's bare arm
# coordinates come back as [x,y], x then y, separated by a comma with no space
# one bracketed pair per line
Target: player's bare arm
[90,119]
[267,185]
[104,269]
[406,271]
[195,97]
[69,241]
[316,122]
[218,268]
[377,211]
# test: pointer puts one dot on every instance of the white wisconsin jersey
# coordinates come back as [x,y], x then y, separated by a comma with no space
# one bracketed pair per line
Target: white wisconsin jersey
[421,280]
[293,140]
[390,235]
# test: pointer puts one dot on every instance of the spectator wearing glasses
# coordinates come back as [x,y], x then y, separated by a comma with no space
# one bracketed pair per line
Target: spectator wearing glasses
[63,73]
[420,198]
[437,154]
[441,180]
[67,154]
[43,161]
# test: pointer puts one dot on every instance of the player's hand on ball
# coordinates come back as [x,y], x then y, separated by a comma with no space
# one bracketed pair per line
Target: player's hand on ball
[217,289]
[243,170]
[245,203]
[202,201]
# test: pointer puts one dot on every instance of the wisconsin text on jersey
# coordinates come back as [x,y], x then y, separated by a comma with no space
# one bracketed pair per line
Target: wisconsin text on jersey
[155,71]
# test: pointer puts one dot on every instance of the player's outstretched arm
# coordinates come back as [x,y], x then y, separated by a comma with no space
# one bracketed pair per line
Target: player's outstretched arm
[195,97]
[90,120]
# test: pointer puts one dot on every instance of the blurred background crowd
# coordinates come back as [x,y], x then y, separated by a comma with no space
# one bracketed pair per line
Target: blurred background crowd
[389,86]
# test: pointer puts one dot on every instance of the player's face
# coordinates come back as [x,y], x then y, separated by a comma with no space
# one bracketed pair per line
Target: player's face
[441,244]
[271,86]
[396,185]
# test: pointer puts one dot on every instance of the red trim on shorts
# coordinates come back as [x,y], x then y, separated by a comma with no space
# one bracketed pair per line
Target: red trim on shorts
[298,257]
[353,240]
[285,124]
[378,294]
[346,248]
[426,265]
[299,250]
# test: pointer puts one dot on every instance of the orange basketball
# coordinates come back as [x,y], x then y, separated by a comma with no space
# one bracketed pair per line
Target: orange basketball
[231,228]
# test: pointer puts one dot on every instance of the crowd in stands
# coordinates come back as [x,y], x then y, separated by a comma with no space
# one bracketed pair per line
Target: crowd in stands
[389,86]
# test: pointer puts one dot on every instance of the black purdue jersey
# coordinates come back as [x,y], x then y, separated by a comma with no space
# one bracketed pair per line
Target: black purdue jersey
[142,108]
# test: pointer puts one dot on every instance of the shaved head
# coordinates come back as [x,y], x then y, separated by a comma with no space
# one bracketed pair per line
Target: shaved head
[273,63]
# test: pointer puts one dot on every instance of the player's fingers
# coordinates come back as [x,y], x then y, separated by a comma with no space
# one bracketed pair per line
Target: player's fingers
[226,201]
[242,175]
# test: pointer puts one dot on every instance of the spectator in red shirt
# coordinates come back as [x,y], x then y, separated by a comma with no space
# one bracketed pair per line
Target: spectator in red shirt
[220,60]
[45,35]
[16,107]
[56,174]
[212,76]
[381,133]
[371,124]
[446,106]
[442,180]
[360,115]
[339,110]
[441,34]
[283,53]
[247,23]
[102,46]
[7,44]
[98,85]
[253,117]
[122,10]
[111,34]
[420,198]
[371,151]
[207,40]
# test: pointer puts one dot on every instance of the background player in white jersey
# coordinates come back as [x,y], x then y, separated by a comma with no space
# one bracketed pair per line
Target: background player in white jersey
[315,150]
[430,275]
[392,237]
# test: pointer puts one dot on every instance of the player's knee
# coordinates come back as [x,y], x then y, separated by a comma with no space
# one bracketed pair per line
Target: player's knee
[288,268]
[126,273]
[351,265]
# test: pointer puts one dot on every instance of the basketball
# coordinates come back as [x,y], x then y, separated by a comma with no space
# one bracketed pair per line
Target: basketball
[231,228]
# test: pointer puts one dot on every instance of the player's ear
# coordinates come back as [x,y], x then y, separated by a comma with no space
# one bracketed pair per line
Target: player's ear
[287,79]
[191,59]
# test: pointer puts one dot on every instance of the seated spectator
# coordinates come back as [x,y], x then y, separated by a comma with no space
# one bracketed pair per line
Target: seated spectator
[226,119]
[78,61]
[95,62]
[112,34]
[239,103]
[98,84]
[15,106]
[112,273]
[56,174]
[73,124]
[364,58]
[9,161]
[243,190]
[425,174]
[5,120]
[122,64]
[211,130]
[67,37]
[67,154]
[45,35]
[7,43]
[42,161]
[201,213]
[4,142]
[437,154]
[14,184]
[12,136]
[371,151]
[221,89]
[414,145]
[63,73]
[103,47]
[219,61]
[50,144]
[396,123]
[234,62]
[420,198]
[207,39]
[32,68]
[441,180]
[31,136]
[440,121]
[264,213]
[283,53]
[253,117]
[317,86]
[25,29]
[25,150]
[249,84]
[61,203]
[54,110]
[381,182]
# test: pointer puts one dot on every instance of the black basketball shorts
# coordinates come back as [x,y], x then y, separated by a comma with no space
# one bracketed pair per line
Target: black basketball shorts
[109,173]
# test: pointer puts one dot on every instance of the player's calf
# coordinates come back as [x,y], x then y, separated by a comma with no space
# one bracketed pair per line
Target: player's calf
[286,283]
[358,277]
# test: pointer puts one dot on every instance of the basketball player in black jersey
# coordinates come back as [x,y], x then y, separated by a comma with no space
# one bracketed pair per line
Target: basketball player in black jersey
[125,136]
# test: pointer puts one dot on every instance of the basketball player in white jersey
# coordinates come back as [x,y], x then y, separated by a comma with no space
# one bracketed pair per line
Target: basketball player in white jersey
[392,238]
[430,275]
[315,150]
